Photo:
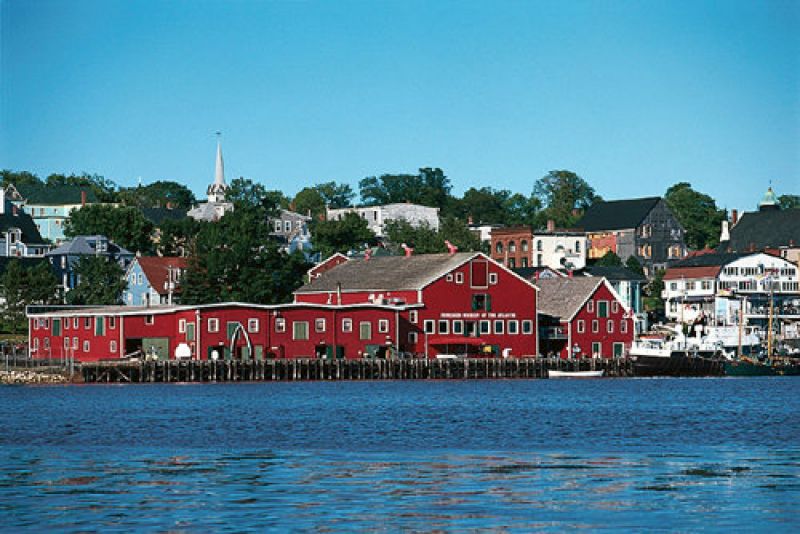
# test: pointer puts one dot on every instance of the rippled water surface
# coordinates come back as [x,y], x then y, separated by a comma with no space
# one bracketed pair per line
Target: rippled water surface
[671,454]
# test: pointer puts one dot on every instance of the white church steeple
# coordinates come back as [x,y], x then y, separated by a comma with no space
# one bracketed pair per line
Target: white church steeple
[216,191]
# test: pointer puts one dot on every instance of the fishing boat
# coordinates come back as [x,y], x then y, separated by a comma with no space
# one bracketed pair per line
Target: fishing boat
[745,366]
[676,355]
[575,374]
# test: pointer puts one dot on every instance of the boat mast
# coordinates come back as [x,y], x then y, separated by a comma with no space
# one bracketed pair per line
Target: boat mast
[741,325]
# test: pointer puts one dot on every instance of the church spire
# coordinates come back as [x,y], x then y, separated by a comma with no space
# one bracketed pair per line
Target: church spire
[216,191]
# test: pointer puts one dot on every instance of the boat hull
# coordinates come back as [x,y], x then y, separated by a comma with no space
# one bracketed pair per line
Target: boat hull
[574,374]
[678,364]
[749,368]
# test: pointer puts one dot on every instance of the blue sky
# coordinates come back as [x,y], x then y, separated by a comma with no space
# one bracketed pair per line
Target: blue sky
[633,96]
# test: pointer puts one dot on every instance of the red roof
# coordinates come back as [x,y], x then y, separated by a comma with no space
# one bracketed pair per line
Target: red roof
[676,273]
[157,269]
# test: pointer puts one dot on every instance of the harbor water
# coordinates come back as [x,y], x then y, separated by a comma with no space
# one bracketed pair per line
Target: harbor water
[527,455]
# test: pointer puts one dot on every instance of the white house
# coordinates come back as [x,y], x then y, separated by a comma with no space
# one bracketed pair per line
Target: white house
[377,216]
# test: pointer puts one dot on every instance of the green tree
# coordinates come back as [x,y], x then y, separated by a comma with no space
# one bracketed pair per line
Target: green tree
[425,240]
[100,282]
[789,201]
[610,259]
[348,233]
[309,200]
[495,206]
[175,236]
[18,178]
[563,192]
[697,213]
[633,264]
[124,225]
[430,187]
[158,194]
[22,286]
[235,259]
[244,193]
[335,195]
[652,293]
[104,189]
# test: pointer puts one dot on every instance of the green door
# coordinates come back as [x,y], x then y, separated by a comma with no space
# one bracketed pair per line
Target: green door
[57,327]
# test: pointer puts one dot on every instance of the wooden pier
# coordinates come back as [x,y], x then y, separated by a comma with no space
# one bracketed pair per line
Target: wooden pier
[339,369]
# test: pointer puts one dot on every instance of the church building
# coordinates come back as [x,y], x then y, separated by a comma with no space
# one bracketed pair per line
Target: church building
[215,207]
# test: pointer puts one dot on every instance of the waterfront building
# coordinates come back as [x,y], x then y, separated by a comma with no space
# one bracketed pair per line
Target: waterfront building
[433,305]
[643,227]
[19,236]
[216,206]
[521,247]
[715,287]
[153,280]
[328,263]
[50,206]
[377,216]
[470,304]
[65,258]
[628,285]
[582,317]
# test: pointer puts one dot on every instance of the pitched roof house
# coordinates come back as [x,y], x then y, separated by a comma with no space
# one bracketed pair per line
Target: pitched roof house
[51,205]
[19,235]
[65,257]
[153,280]
[641,227]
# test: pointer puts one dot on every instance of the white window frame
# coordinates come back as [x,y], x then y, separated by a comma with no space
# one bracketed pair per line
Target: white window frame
[383,326]
[149,319]
[502,324]
[253,325]
[449,277]
[429,326]
[280,325]
[527,327]
[75,343]
[513,327]
[86,345]
[590,306]
[299,325]
[413,316]
[595,326]
[76,323]
[623,326]
[212,325]
[320,325]
[580,326]
[347,325]
[112,347]
[485,327]
[443,323]
[181,326]
[610,326]
[493,279]
[361,326]
[458,327]
[459,278]
[412,337]
[614,306]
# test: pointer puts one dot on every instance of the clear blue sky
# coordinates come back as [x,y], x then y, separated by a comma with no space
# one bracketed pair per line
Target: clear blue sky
[633,96]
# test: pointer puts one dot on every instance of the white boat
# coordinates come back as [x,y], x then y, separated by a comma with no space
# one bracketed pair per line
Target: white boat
[575,374]
[675,356]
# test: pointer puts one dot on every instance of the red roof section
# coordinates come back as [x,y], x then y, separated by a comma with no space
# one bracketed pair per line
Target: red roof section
[157,268]
[676,273]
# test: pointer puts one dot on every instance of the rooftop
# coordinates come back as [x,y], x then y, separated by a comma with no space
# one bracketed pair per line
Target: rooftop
[563,297]
[617,214]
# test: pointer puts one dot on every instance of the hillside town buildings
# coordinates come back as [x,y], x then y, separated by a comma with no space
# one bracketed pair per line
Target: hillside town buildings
[378,216]
[50,206]
[523,247]
[216,206]
[64,259]
[153,280]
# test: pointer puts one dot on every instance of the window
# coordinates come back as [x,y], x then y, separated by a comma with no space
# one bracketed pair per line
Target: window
[539,245]
[610,326]
[449,277]
[300,330]
[47,342]
[66,324]
[623,326]
[524,261]
[36,324]
[527,327]
[112,322]
[86,346]
[602,309]
[596,349]
[512,247]
[383,326]
[523,245]
[149,319]
[347,325]
[619,348]
[458,327]
[595,326]
[706,285]
[673,286]
[498,248]
[141,279]
[87,323]
[429,326]
[486,327]
[513,327]
[287,226]
[614,306]
[590,306]
[459,278]
[412,337]
[364,330]
[182,326]
[112,347]
[75,323]
[412,316]
[66,343]
[99,326]
[481,302]
[280,324]
[278,226]
[213,325]
[493,278]
[253,325]
[581,326]
[36,343]
[444,326]
[499,327]
[577,246]
[512,263]
[74,343]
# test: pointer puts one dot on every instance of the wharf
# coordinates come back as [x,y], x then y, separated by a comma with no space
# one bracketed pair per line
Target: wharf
[339,369]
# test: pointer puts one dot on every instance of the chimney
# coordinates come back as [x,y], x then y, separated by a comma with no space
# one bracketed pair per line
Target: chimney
[725,235]
[551,225]
[169,205]
[470,221]
[569,273]
[409,251]
[451,248]
[734,217]
[367,254]
[83,198]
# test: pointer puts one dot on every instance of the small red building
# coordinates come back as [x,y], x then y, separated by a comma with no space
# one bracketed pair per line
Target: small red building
[469,303]
[583,317]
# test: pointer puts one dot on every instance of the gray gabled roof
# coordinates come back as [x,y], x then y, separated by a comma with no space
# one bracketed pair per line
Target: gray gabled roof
[617,214]
[764,229]
[563,297]
[86,245]
[388,273]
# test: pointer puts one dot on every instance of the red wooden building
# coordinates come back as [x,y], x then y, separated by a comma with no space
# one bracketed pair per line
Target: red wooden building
[434,304]
[583,317]
[470,304]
